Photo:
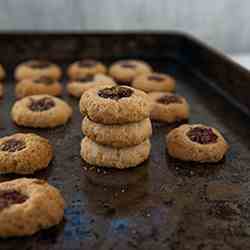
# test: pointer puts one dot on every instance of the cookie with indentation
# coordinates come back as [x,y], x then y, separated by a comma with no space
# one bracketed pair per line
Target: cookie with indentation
[124,71]
[118,136]
[197,142]
[37,68]
[24,153]
[105,156]
[28,206]
[168,107]
[2,72]
[78,86]
[40,111]
[115,105]
[38,86]
[154,82]
[86,67]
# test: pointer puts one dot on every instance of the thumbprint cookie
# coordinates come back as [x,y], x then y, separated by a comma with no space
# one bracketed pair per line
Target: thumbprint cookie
[79,85]
[168,107]
[24,153]
[124,71]
[37,68]
[28,206]
[115,105]
[41,111]
[86,67]
[38,86]
[197,143]
[154,82]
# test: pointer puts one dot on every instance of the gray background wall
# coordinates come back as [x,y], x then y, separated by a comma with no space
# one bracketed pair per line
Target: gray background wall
[224,24]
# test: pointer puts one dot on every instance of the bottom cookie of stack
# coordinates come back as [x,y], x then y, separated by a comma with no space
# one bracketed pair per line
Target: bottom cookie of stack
[106,156]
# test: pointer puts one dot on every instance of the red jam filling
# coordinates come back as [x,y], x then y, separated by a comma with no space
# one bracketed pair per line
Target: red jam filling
[202,135]
[156,78]
[115,93]
[12,145]
[11,197]
[39,64]
[167,99]
[44,80]
[43,104]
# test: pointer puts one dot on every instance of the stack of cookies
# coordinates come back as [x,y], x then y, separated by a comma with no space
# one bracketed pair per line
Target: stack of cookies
[116,125]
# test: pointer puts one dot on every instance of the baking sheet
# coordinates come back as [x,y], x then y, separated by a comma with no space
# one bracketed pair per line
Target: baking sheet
[164,203]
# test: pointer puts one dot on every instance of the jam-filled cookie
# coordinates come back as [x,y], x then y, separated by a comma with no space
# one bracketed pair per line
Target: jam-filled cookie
[37,68]
[168,107]
[24,153]
[154,82]
[115,105]
[2,72]
[118,136]
[197,142]
[105,156]
[78,86]
[86,67]
[28,206]
[124,71]
[38,86]
[41,111]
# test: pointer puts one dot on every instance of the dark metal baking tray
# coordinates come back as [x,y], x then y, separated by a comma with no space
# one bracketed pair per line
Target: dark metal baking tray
[165,203]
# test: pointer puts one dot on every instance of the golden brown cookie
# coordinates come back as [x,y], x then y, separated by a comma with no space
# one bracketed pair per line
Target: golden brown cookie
[28,206]
[115,105]
[2,72]
[38,86]
[197,142]
[41,111]
[154,82]
[85,67]
[78,86]
[104,156]
[118,136]
[37,68]
[124,71]
[24,153]
[168,107]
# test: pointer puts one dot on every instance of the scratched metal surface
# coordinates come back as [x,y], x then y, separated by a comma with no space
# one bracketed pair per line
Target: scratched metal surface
[162,204]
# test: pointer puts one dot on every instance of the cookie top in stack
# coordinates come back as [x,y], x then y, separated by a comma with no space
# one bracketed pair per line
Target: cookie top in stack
[115,105]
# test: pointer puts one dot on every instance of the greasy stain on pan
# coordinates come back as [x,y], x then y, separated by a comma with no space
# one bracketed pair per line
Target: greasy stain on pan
[164,203]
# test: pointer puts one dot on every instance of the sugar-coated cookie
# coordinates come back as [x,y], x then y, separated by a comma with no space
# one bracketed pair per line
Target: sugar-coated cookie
[168,107]
[197,142]
[124,71]
[154,82]
[24,153]
[41,111]
[78,86]
[37,68]
[118,136]
[28,206]
[105,156]
[115,105]
[85,67]
[38,86]
[2,72]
